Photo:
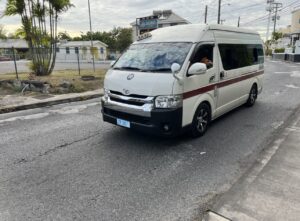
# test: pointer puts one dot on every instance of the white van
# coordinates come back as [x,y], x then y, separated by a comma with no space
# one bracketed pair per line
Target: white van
[183,77]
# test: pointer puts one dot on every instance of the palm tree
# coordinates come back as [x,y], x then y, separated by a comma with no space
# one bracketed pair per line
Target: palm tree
[39,22]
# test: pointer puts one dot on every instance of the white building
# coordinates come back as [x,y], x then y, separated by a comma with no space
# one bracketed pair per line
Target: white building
[295,29]
[68,50]
[20,46]
[160,19]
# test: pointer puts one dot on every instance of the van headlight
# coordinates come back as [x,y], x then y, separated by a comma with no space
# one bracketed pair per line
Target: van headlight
[105,95]
[170,101]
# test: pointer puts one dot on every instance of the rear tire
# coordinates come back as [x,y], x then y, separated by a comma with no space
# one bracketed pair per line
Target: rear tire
[201,120]
[252,96]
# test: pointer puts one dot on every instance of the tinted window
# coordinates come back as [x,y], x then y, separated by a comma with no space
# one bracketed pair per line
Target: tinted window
[240,55]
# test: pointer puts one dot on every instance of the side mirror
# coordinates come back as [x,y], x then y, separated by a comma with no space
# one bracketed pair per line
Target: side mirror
[197,69]
[175,68]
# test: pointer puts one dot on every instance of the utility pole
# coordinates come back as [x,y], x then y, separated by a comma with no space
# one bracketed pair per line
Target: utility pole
[239,21]
[269,9]
[91,38]
[219,12]
[276,5]
[205,15]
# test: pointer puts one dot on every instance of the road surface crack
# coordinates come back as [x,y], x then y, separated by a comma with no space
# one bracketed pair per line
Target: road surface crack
[52,150]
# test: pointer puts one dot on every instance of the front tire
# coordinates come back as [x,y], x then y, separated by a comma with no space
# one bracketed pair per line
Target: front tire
[252,96]
[201,120]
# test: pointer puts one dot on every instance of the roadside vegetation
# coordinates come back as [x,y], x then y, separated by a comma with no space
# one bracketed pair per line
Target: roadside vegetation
[59,82]
[39,25]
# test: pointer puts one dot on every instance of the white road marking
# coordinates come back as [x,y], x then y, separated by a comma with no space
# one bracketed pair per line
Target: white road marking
[64,110]
[283,72]
[277,124]
[28,117]
[296,74]
[291,86]
[73,109]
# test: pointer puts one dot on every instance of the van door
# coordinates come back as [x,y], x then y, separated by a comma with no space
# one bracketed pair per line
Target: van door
[230,89]
[196,85]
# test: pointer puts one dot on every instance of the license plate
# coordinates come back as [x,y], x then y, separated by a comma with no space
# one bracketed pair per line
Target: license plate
[123,123]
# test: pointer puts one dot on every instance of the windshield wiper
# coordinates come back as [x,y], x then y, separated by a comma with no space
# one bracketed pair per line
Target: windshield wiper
[160,70]
[128,68]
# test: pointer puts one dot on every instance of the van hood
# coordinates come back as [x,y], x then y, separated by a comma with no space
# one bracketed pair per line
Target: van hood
[139,83]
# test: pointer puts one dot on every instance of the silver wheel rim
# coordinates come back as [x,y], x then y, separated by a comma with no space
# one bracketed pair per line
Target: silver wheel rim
[202,120]
[253,95]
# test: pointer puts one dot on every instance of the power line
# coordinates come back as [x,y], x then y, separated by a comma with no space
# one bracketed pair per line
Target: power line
[266,16]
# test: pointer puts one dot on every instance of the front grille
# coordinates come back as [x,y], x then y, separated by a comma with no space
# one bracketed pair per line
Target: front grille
[127,101]
[131,95]
[126,116]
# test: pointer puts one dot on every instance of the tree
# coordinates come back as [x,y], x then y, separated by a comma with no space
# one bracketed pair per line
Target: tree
[276,35]
[64,36]
[39,22]
[20,33]
[2,33]
[124,39]
[116,39]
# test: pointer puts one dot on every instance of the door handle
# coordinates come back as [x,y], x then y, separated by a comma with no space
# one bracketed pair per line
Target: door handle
[212,78]
[222,74]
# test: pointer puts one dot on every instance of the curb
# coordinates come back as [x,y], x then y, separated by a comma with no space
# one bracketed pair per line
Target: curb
[48,103]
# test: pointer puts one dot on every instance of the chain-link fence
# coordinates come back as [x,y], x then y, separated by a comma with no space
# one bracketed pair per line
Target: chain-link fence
[16,60]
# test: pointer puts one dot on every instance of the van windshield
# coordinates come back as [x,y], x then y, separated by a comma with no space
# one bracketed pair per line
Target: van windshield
[153,57]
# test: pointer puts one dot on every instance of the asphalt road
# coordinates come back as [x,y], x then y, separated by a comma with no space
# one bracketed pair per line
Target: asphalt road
[22,66]
[64,163]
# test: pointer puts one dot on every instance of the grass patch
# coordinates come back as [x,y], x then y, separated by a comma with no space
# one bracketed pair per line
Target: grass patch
[58,77]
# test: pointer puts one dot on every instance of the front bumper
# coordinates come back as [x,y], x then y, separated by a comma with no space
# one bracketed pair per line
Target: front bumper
[156,123]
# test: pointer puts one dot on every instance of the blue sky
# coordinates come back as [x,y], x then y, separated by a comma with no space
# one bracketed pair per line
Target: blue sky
[107,14]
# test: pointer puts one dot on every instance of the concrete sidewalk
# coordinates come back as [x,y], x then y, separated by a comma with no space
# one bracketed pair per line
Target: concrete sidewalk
[270,191]
[10,103]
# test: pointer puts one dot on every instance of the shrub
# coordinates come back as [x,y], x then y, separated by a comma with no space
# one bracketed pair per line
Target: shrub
[279,50]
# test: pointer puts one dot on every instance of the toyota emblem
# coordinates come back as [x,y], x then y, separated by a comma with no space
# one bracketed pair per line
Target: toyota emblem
[129,77]
[126,92]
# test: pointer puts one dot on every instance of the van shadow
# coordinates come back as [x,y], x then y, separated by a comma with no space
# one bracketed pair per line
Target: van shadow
[122,138]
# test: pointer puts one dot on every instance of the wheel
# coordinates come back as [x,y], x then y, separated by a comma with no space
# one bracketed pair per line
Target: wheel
[252,96]
[201,120]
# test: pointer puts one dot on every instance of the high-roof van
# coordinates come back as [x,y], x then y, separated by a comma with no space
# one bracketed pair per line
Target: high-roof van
[182,77]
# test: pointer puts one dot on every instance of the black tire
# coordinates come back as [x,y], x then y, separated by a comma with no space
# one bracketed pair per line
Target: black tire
[252,96]
[201,120]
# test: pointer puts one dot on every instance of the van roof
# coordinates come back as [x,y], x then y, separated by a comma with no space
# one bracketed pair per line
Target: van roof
[189,33]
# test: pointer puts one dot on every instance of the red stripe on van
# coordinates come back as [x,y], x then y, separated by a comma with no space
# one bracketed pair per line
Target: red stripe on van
[224,83]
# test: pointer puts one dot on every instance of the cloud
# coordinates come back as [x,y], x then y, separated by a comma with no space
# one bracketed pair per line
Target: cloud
[107,14]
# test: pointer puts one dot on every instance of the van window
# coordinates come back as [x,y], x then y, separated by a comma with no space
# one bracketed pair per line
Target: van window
[240,55]
[153,57]
[204,54]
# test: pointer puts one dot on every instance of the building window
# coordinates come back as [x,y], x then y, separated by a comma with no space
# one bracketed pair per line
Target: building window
[57,50]
[67,50]
[76,50]
[102,50]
